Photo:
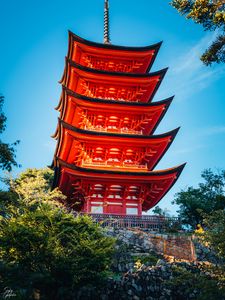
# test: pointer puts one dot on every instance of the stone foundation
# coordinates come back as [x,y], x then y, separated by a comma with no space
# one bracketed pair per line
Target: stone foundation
[146,267]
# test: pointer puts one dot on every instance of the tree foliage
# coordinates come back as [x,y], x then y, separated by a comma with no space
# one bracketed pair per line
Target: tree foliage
[44,249]
[34,186]
[202,282]
[215,231]
[7,151]
[211,15]
[160,212]
[208,197]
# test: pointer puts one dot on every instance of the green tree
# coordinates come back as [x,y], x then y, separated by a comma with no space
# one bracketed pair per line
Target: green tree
[199,282]
[33,186]
[211,15]
[215,231]
[7,151]
[161,212]
[208,197]
[44,249]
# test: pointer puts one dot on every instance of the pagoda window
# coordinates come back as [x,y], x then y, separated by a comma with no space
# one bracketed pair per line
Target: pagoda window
[97,191]
[131,211]
[98,154]
[96,209]
[98,187]
[133,192]
[130,154]
[113,122]
[114,155]
[114,152]
[97,121]
[126,123]
[115,192]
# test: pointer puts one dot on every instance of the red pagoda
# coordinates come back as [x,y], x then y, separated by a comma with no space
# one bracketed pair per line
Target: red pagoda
[106,150]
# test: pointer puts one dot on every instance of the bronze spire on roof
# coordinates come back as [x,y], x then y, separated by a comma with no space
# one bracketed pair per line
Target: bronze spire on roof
[106,23]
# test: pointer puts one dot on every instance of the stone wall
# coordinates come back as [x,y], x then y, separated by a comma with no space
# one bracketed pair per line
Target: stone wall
[164,281]
[146,266]
[147,283]
[180,247]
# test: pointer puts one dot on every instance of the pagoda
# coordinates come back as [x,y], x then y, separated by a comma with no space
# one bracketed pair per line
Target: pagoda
[106,147]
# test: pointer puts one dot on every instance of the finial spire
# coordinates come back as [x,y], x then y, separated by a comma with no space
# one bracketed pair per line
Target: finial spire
[106,23]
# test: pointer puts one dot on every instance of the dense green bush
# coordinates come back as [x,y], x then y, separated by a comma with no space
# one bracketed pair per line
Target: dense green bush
[44,249]
[197,283]
[214,234]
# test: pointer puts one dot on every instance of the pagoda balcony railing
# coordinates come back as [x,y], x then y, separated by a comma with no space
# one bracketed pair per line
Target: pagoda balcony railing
[152,223]
[115,165]
[114,130]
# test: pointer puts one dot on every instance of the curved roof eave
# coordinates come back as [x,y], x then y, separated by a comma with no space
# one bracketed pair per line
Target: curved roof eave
[177,170]
[114,47]
[166,101]
[171,133]
[161,72]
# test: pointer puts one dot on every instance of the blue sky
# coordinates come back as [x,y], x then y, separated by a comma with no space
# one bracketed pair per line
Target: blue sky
[34,42]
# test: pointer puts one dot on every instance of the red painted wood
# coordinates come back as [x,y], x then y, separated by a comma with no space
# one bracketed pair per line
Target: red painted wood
[114,60]
[89,115]
[111,86]
[104,155]
[98,188]
[111,152]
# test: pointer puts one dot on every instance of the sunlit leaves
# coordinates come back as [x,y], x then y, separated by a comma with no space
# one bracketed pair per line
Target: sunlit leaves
[208,197]
[7,151]
[45,249]
[215,233]
[211,15]
[34,186]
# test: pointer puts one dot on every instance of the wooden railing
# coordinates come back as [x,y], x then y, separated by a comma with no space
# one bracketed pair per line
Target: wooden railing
[154,223]
[115,164]
[116,130]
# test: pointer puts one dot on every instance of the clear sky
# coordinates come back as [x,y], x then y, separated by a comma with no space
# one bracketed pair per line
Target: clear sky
[34,42]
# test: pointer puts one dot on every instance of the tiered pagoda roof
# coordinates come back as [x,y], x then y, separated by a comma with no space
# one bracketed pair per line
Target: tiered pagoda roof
[131,152]
[106,150]
[115,190]
[140,118]
[106,85]
[122,59]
